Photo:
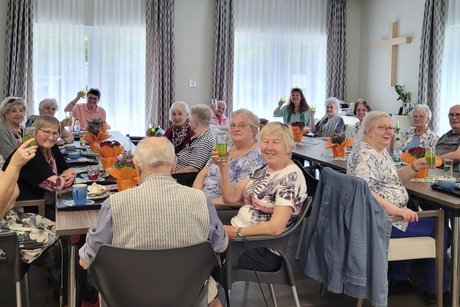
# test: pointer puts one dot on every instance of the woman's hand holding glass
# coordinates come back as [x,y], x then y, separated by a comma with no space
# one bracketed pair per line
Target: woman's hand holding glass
[420,163]
[24,153]
[216,159]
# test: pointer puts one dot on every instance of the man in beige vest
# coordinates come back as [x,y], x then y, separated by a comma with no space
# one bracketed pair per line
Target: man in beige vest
[147,216]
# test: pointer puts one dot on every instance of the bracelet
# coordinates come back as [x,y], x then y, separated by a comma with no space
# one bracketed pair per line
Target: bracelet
[238,233]
[412,166]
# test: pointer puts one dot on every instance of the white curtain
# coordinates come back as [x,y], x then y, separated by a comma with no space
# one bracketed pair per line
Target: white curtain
[117,62]
[59,53]
[450,91]
[279,44]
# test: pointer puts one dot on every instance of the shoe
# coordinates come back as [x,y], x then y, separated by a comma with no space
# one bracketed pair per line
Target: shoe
[401,286]
[446,298]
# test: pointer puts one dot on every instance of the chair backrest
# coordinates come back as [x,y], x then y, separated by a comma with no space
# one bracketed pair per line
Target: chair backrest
[312,182]
[186,179]
[154,277]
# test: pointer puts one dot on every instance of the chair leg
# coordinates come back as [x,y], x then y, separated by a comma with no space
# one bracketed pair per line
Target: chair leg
[272,291]
[299,244]
[18,294]
[322,291]
[296,296]
[26,288]
[360,302]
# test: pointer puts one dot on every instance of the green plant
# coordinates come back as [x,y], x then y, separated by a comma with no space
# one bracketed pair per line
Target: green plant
[405,97]
[125,160]
[338,138]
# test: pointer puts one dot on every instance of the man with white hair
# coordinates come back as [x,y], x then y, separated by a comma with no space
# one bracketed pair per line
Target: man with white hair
[219,118]
[147,216]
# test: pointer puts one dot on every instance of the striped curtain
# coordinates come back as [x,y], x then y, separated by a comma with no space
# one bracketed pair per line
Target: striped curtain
[431,50]
[159,87]
[222,87]
[336,71]
[18,51]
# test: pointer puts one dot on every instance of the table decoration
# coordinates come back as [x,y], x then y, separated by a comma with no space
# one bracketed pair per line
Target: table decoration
[124,171]
[155,131]
[109,151]
[298,129]
[96,132]
[415,153]
[338,143]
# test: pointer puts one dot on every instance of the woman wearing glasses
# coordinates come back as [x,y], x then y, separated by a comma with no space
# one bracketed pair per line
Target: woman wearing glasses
[270,197]
[48,171]
[12,114]
[370,160]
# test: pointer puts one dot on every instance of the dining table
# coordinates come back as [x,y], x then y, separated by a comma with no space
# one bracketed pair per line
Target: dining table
[314,151]
[70,223]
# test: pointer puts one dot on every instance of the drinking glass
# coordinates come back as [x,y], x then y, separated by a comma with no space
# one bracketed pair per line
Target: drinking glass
[68,116]
[29,133]
[430,156]
[448,167]
[93,172]
[221,146]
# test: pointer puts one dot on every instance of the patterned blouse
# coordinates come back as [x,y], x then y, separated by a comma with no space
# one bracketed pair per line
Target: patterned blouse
[239,168]
[265,190]
[380,172]
[427,139]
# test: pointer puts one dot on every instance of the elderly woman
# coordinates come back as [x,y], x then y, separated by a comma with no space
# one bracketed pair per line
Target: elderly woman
[219,118]
[370,160]
[360,110]
[49,106]
[419,134]
[35,233]
[12,114]
[243,156]
[332,122]
[297,110]
[180,132]
[48,171]
[271,196]
[196,153]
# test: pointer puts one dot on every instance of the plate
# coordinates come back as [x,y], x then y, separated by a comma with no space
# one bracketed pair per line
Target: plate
[71,203]
[100,196]
[457,186]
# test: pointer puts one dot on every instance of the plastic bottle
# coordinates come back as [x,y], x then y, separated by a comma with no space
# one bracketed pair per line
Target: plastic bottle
[77,128]
[128,144]
[397,152]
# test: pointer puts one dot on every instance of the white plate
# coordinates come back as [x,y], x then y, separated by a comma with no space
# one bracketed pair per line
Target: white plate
[71,203]
[99,196]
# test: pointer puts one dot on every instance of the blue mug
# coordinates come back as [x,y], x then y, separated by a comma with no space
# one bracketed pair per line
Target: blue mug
[79,193]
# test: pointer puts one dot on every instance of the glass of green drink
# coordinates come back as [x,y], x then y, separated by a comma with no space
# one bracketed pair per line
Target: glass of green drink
[221,146]
[29,133]
[430,156]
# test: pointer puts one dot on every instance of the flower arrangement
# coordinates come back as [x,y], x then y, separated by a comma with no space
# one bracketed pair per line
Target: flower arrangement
[301,125]
[337,143]
[124,160]
[95,132]
[108,150]
[262,122]
[405,98]
[415,153]
[96,125]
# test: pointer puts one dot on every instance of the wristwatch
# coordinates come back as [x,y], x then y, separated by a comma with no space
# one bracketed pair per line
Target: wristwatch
[238,233]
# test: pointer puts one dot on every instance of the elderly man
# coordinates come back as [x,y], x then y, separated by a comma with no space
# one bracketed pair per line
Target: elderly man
[447,146]
[219,118]
[135,218]
[88,111]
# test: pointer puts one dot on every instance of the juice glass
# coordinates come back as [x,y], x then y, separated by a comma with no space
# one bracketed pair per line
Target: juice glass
[29,133]
[221,146]
[430,156]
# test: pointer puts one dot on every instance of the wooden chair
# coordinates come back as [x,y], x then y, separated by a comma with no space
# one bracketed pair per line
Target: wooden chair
[40,203]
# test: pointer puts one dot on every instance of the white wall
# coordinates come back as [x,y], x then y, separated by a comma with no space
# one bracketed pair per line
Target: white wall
[3,10]
[373,76]
[194,40]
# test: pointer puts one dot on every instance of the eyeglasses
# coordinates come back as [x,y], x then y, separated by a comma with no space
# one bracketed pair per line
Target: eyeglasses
[239,126]
[48,133]
[385,127]
[452,115]
[92,98]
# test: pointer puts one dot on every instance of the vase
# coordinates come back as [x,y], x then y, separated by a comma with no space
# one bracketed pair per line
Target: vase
[108,161]
[123,184]
[338,151]
[423,173]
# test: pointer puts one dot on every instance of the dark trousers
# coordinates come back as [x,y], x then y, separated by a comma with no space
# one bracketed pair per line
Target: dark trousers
[260,259]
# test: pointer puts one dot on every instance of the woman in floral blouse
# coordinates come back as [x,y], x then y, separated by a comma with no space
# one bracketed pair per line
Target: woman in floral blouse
[270,198]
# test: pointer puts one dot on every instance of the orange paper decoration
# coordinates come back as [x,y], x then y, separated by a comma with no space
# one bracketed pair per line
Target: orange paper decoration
[126,176]
[101,136]
[338,150]
[298,133]
[423,173]
[108,161]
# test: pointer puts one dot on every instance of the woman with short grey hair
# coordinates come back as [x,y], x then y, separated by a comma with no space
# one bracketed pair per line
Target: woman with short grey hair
[180,132]
[12,114]
[332,122]
[49,106]
[195,155]
[419,135]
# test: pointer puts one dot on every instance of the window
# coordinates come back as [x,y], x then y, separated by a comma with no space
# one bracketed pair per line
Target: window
[107,52]
[274,54]
[450,91]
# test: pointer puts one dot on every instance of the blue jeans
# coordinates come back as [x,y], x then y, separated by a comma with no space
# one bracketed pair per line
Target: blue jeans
[400,270]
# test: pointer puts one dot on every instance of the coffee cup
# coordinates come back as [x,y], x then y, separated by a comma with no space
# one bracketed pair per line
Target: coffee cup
[79,193]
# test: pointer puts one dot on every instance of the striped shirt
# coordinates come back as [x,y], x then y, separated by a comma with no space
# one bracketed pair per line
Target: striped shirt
[197,152]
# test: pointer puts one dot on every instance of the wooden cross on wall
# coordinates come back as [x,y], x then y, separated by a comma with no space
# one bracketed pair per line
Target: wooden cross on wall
[393,41]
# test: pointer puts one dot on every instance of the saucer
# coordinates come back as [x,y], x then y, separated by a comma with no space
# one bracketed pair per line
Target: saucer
[71,203]
[98,196]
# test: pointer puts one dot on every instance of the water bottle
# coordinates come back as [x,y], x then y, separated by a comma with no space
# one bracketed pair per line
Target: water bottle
[128,144]
[77,128]
[397,152]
